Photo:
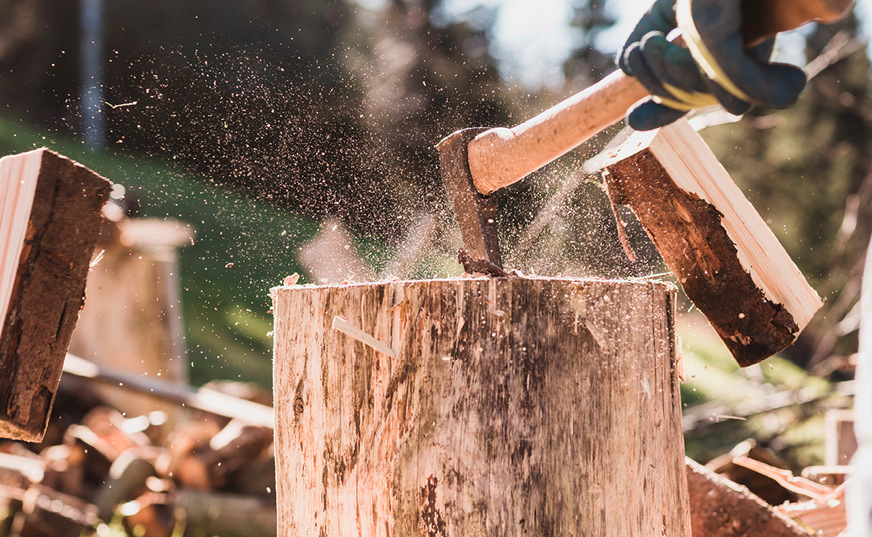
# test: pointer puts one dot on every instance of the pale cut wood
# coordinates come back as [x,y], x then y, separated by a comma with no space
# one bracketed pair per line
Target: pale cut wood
[514,406]
[56,204]
[18,174]
[726,258]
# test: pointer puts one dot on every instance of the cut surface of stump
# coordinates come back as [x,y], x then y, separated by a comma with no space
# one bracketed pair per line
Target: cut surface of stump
[50,207]
[472,407]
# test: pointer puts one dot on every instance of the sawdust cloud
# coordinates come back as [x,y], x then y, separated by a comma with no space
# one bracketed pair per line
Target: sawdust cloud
[288,139]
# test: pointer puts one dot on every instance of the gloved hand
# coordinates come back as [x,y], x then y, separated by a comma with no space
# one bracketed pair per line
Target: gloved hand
[713,67]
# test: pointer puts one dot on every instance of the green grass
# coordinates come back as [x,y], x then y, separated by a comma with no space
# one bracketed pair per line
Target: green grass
[243,247]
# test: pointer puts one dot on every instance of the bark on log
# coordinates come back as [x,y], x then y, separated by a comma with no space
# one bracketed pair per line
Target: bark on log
[722,508]
[499,407]
[48,513]
[727,260]
[126,481]
[209,513]
[47,288]
[212,465]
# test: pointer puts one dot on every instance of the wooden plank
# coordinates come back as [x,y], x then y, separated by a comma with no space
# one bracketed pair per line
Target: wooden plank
[57,203]
[508,406]
[841,442]
[728,261]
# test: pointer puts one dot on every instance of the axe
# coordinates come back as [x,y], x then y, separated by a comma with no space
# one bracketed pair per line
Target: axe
[476,162]
[753,320]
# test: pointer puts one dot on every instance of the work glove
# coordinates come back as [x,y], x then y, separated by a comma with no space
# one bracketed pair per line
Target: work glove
[713,66]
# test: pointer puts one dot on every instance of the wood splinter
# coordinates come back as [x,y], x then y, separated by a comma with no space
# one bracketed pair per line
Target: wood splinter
[354,332]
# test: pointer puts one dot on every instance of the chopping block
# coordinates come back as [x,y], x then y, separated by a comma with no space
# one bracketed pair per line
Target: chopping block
[471,406]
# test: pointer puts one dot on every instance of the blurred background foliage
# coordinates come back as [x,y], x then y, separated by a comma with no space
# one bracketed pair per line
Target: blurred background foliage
[255,121]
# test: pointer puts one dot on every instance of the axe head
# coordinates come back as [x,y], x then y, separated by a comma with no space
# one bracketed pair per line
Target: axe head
[475,213]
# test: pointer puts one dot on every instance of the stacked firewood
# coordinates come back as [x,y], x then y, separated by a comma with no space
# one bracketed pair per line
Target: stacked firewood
[99,472]
[749,491]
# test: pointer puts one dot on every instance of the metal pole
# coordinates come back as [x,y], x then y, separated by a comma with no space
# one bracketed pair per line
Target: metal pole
[93,118]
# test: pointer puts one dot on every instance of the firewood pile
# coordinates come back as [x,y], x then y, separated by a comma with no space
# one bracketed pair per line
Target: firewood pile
[99,472]
[748,491]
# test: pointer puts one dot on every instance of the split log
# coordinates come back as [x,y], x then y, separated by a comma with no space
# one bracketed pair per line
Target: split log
[49,223]
[210,401]
[199,513]
[152,514]
[99,454]
[726,258]
[212,465]
[227,514]
[826,519]
[505,407]
[48,513]
[827,475]
[19,471]
[764,487]
[126,481]
[115,435]
[64,469]
[722,508]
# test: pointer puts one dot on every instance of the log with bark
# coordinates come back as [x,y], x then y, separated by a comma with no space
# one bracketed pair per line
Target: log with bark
[726,258]
[505,406]
[50,220]
[722,508]
[213,464]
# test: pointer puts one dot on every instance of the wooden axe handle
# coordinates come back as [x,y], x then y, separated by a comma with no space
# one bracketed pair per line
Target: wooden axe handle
[501,156]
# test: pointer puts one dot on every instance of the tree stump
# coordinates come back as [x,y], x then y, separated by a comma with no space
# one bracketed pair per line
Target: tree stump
[133,319]
[472,407]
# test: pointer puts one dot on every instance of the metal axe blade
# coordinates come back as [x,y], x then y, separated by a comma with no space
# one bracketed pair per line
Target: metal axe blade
[475,213]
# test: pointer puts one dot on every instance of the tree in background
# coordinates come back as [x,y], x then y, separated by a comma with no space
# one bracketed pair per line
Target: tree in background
[587,64]
[323,107]
[423,75]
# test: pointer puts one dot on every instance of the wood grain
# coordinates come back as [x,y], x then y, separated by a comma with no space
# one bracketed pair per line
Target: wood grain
[725,257]
[514,406]
[48,287]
